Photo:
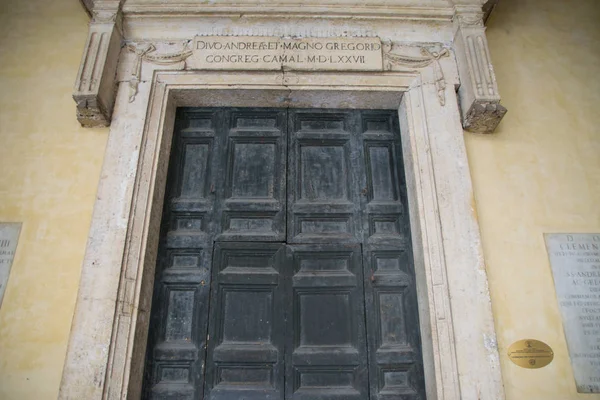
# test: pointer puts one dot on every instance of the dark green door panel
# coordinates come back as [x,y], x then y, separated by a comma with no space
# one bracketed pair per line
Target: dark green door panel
[326,354]
[245,349]
[285,263]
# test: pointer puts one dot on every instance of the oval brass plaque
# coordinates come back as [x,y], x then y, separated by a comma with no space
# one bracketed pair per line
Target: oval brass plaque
[530,353]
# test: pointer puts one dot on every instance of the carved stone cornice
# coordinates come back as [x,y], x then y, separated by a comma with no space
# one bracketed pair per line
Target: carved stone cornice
[440,9]
[478,92]
[461,20]
[392,10]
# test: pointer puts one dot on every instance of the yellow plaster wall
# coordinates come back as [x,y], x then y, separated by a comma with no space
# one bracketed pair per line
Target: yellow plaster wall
[49,170]
[540,172]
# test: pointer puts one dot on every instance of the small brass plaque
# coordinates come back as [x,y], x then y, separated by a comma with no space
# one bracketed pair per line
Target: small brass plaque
[530,353]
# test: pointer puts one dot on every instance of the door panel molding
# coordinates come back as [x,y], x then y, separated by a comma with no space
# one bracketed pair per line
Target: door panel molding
[254,196]
[245,355]
[395,360]
[326,355]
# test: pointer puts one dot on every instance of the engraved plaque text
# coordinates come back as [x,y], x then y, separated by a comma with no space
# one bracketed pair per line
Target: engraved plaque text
[575,261]
[274,53]
[9,235]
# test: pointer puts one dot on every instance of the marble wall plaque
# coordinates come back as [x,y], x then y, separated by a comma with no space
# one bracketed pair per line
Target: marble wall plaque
[274,53]
[9,235]
[575,261]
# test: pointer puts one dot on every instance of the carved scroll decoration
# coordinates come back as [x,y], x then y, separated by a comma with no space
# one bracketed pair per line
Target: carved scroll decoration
[427,58]
[104,16]
[472,20]
[146,53]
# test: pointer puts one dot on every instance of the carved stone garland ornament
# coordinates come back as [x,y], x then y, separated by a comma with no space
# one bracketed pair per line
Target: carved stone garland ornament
[428,57]
[146,53]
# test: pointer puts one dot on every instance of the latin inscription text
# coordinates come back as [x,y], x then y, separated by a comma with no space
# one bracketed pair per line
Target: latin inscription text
[270,53]
[575,261]
[9,234]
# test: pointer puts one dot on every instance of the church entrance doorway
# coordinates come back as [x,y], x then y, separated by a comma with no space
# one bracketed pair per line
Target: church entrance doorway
[285,267]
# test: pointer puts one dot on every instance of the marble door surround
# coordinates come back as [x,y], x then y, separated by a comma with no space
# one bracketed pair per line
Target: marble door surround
[138,67]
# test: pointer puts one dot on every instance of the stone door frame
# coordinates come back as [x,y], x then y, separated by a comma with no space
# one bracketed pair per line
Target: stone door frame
[108,338]
[438,76]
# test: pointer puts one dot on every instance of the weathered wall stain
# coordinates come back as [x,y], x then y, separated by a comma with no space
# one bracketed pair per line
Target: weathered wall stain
[538,173]
[49,168]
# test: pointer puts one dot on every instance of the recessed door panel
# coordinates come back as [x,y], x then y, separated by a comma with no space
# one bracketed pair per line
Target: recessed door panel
[395,363]
[325,335]
[245,349]
[194,163]
[323,186]
[323,174]
[383,202]
[253,206]
[175,367]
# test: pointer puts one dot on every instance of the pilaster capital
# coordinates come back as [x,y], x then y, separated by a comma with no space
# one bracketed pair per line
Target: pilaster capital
[468,16]
[478,92]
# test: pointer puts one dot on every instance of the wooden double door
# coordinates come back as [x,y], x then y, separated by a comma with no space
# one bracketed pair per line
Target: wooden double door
[284,268]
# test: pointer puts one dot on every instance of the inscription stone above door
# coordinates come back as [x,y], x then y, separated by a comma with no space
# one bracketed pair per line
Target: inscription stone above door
[285,267]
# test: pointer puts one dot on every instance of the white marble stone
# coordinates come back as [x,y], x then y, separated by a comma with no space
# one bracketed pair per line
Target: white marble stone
[272,53]
[575,262]
[479,98]
[9,237]
[95,87]
[458,24]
